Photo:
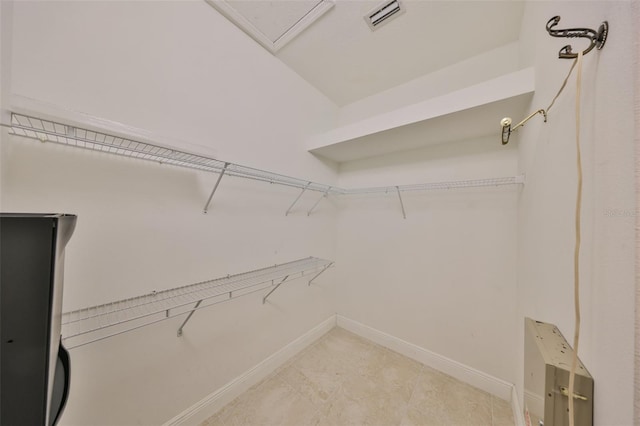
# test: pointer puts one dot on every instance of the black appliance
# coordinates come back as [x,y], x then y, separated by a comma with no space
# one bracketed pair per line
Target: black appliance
[34,370]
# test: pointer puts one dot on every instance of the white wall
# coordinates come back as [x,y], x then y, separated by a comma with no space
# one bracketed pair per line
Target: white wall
[180,71]
[175,68]
[546,206]
[444,278]
[485,66]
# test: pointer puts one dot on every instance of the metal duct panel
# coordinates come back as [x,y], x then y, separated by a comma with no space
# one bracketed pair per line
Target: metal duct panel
[547,362]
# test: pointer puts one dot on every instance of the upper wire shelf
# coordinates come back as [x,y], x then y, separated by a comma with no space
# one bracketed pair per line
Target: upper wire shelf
[52,131]
[95,323]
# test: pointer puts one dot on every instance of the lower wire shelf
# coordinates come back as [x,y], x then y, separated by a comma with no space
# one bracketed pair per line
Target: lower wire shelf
[89,325]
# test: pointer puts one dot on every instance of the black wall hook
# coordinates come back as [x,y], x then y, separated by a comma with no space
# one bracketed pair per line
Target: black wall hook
[597,38]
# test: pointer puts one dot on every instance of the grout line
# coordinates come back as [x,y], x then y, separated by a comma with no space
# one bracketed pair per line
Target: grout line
[493,421]
[413,391]
[420,376]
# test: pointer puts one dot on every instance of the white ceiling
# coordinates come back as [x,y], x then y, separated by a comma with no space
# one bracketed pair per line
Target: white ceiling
[346,61]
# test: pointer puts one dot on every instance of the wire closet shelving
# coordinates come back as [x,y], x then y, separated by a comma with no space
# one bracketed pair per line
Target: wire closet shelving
[64,134]
[88,325]
[95,323]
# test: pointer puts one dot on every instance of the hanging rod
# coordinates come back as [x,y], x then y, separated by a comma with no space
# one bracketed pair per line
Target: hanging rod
[95,323]
[597,38]
[51,131]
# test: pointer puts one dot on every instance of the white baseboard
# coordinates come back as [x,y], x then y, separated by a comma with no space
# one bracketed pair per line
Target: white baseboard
[209,405]
[518,414]
[212,403]
[464,373]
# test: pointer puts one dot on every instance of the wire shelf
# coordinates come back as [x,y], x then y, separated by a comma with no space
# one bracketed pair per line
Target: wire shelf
[95,323]
[51,131]
[434,186]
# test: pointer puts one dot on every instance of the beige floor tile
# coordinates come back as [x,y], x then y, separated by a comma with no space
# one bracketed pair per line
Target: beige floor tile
[272,403]
[346,380]
[325,356]
[502,412]
[430,386]
[316,382]
[321,419]
[364,400]
[225,414]
[213,421]
[415,417]
[343,343]
[334,357]
[441,396]
[394,373]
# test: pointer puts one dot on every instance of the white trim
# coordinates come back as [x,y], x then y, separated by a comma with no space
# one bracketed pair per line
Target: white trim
[518,415]
[212,403]
[252,31]
[477,378]
[314,14]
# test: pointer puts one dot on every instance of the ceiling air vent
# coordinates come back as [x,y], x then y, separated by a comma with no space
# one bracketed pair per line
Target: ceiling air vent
[383,13]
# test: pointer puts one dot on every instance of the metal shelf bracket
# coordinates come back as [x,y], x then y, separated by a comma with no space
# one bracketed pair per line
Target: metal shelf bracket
[188,317]
[404,214]
[319,273]
[215,187]
[297,198]
[264,299]
[325,195]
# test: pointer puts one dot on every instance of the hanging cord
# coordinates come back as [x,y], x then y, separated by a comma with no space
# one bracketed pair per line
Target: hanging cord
[564,83]
[576,255]
[507,129]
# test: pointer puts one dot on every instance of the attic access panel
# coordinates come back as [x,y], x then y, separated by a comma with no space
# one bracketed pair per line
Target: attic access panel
[272,23]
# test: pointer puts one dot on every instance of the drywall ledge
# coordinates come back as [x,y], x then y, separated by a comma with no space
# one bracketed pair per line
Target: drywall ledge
[468,113]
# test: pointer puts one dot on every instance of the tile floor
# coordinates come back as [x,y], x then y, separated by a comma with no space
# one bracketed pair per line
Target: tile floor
[343,379]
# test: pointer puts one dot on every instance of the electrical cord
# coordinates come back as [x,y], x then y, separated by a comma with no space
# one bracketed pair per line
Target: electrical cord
[576,255]
[564,83]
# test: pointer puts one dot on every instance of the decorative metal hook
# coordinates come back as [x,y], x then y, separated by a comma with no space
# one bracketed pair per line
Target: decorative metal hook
[597,38]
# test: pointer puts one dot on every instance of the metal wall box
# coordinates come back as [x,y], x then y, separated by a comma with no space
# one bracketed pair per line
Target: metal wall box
[547,363]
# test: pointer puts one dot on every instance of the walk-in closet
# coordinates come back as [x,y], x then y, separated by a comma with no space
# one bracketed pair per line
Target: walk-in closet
[319,212]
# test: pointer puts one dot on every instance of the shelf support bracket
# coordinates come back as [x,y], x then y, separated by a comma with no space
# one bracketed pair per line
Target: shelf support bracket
[325,195]
[319,273]
[188,317]
[297,198]
[215,187]
[264,299]
[404,214]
